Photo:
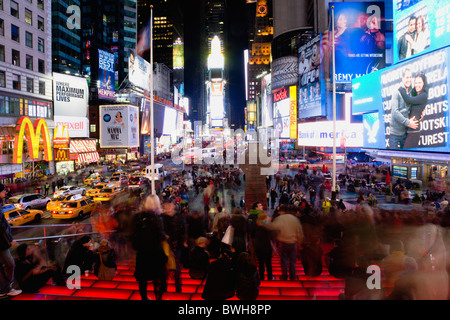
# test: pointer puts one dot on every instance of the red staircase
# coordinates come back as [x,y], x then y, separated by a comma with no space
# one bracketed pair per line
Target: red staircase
[125,287]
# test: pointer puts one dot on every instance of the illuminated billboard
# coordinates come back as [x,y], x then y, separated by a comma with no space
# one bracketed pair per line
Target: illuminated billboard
[420,27]
[409,110]
[119,126]
[178,55]
[360,43]
[281,112]
[311,87]
[139,71]
[266,101]
[106,75]
[320,134]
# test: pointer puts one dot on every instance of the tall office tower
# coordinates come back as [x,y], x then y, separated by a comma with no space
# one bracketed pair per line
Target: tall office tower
[168,36]
[259,58]
[214,25]
[25,82]
[66,37]
[25,60]
[109,32]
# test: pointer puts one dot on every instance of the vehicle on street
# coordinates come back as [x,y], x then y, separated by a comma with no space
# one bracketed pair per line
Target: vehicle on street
[160,171]
[29,201]
[93,178]
[77,207]
[107,194]
[56,202]
[95,189]
[66,190]
[119,181]
[18,217]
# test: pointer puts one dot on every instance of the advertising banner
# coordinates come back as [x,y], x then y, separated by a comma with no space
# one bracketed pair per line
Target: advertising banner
[78,126]
[284,72]
[70,95]
[411,106]
[106,75]
[119,126]
[420,27]
[360,43]
[320,134]
[311,87]
[139,71]
[266,101]
[281,112]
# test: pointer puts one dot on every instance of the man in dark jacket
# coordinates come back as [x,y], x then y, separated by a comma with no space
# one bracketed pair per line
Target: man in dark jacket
[7,263]
[175,228]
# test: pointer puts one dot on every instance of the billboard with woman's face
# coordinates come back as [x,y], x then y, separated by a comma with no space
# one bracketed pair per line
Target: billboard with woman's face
[360,42]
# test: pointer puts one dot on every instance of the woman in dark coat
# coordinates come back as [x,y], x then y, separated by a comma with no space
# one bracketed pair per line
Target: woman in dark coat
[147,239]
[247,279]
[238,223]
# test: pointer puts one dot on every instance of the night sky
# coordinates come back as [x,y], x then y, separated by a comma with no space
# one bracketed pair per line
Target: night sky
[234,60]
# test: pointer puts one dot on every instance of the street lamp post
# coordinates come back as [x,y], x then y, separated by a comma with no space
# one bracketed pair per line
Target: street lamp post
[333,190]
[152,130]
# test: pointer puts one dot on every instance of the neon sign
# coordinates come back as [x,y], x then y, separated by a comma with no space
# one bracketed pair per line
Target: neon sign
[33,133]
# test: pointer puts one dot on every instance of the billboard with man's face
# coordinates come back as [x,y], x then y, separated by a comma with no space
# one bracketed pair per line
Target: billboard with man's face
[410,109]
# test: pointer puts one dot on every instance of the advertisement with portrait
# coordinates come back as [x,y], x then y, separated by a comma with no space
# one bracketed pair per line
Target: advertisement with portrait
[119,126]
[138,71]
[266,101]
[311,87]
[420,27]
[412,105]
[106,75]
[281,112]
[360,42]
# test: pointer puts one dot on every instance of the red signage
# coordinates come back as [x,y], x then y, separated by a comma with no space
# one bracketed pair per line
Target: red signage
[280,95]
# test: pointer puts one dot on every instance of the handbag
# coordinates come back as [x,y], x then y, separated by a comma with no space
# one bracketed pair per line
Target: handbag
[171,263]
[104,272]
[228,236]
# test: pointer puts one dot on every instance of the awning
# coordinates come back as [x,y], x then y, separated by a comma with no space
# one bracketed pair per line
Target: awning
[84,150]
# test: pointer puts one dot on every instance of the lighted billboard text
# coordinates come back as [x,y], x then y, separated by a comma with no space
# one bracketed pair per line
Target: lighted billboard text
[106,75]
[320,134]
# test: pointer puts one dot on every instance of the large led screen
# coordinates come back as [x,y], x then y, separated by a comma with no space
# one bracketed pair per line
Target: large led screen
[412,105]
[420,27]
[281,115]
[311,87]
[360,42]
[106,75]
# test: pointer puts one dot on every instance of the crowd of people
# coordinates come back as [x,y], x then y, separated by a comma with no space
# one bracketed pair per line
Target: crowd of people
[200,222]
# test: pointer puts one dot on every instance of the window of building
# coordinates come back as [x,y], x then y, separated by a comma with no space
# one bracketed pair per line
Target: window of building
[14,9]
[41,66]
[1,4]
[30,85]
[29,39]
[40,24]
[93,128]
[15,33]
[2,53]
[2,79]
[42,87]
[41,47]
[2,27]
[4,102]
[29,62]
[40,4]
[16,81]
[28,16]
[15,58]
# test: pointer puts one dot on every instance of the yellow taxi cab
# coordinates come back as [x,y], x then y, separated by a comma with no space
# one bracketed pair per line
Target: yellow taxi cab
[107,193]
[93,178]
[57,201]
[18,217]
[95,189]
[78,206]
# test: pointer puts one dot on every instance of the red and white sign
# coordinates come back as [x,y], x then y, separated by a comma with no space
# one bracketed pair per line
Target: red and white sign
[78,127]
[84,150]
